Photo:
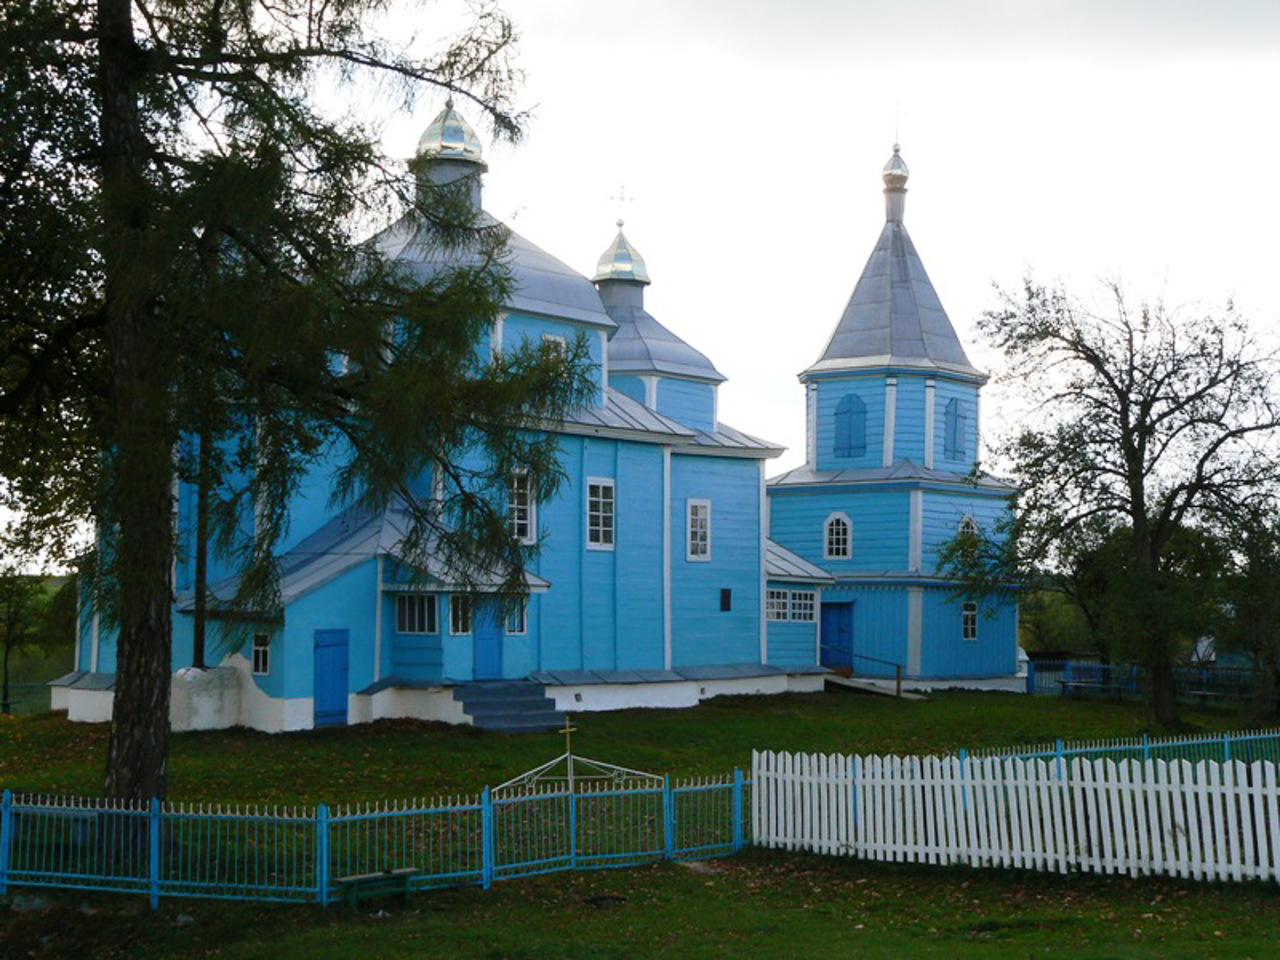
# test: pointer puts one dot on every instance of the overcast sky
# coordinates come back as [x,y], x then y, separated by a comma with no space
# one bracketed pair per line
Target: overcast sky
[1076,140]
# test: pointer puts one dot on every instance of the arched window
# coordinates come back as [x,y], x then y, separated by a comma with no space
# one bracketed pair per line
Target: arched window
[851,426]
[837,539]
[957,430]
[969,527]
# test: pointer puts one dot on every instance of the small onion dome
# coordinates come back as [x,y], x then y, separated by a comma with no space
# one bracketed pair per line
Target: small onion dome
[450,138]
[621,262]
[895,171]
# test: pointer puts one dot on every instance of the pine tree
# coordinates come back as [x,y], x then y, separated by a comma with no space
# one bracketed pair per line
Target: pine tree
[181,218]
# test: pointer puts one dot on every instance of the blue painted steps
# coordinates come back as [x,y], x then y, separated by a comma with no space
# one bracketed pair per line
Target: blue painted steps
[509,706]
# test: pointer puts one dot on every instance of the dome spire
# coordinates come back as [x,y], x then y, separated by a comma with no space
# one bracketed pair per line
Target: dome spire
[895,176]
[449,137]
[621,261]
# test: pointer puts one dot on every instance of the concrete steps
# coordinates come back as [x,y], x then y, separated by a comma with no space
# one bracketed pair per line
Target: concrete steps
[509,706]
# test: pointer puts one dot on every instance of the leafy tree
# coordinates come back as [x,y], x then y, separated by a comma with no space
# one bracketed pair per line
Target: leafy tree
[180,217]
[1249,611]
[1151,425]
[21,607]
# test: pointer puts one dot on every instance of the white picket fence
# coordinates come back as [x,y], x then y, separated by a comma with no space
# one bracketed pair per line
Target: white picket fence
[1205,821]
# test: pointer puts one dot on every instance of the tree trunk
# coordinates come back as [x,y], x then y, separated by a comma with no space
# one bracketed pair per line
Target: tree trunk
[1164,698]
[140,468]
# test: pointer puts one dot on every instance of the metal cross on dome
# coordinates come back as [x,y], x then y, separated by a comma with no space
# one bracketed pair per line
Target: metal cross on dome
[621,199]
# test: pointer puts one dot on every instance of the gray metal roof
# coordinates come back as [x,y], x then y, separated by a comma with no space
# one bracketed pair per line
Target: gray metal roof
[642,345]
[781,564]
[894,318]
[901,470]
[344,542]
[620,412]
[542,284]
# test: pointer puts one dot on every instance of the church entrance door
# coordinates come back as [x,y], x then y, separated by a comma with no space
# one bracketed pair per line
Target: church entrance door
[837,636]
[488,642]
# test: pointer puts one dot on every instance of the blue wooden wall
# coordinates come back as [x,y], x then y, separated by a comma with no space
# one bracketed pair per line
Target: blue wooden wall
[688,401]
[701,632]
[945,652]
[880,517]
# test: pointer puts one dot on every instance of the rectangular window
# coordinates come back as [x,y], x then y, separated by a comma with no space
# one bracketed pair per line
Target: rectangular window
[699,530]
[803,603]
[518,620]
[600,513]
[553,341]
[416,613]
[459,614]
[969,620]
[775,605]
[522,514]
[261,653]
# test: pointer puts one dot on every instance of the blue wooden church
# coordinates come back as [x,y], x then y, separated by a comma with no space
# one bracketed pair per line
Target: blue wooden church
[668,570]
[892,451]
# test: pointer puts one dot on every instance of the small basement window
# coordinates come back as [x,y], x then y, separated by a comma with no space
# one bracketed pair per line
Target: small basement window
[261,654]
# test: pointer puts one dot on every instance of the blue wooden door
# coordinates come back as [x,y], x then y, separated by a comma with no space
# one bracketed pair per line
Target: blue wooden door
[330,681]
[487,638]
[837,636]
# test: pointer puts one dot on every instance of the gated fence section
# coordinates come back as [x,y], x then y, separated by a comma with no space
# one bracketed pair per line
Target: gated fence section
[1247,745]
[304,853]
[1206,821]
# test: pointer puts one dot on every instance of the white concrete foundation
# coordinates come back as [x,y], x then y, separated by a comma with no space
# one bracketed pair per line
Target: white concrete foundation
[227,696]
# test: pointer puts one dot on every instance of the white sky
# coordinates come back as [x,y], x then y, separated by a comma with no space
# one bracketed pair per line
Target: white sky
[1077,139]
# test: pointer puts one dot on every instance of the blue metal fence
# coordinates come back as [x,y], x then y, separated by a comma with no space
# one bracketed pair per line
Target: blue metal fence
[1249,745]
[306,853]
[1204,686]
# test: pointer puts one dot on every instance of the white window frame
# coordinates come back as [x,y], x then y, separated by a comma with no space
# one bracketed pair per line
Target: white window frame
[804,606]
[427,616]
[459,615]
[522,515]
[778,605]
[697,548]
[592,530]
[968,525]
[519,616]
[557,342]
[261,654]
[827,553]
[969,621]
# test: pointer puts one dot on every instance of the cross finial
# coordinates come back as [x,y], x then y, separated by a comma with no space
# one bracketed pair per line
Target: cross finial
[621,199]
[568,731]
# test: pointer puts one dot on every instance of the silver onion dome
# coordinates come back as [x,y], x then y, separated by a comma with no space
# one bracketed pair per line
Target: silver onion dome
[621,261]
[895,171]
[449,137]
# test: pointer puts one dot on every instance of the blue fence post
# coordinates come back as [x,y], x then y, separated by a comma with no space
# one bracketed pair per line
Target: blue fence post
[1031,676]
[486,839]
[322,855]
[964,789]
[737,813]
[573,828]
[4,841]
[1226,747]
[153,823]
[1060,765]
[668,821]
[1146,747]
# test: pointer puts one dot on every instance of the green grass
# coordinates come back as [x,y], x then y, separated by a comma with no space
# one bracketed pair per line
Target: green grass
[758,905]
[762,904]
[393,759]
